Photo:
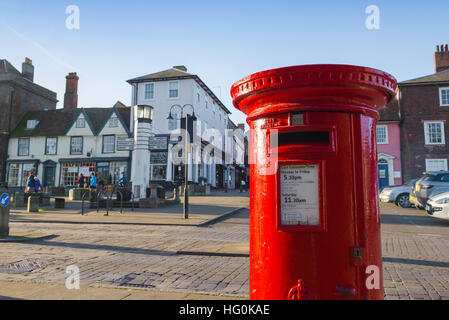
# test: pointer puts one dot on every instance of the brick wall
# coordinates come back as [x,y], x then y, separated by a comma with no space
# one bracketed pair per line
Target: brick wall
[27,96]
[419,103]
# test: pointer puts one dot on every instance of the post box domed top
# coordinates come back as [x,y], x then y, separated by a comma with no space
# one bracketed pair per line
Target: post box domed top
[321,87]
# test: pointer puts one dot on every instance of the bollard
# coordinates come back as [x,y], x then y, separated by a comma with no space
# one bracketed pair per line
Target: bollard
[33,204]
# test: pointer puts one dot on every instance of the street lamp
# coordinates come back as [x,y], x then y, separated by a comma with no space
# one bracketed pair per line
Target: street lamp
[186,171]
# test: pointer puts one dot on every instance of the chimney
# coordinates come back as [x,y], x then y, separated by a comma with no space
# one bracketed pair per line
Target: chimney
[441,58]
[71,91]
[28,69]
[182,68]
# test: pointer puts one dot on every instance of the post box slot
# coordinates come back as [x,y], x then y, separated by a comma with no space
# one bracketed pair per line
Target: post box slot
[304,139]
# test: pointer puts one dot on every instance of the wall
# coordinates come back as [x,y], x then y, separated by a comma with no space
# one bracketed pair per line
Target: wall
[419,103]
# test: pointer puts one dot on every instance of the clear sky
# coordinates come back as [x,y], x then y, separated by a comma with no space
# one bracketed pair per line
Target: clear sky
[221,41]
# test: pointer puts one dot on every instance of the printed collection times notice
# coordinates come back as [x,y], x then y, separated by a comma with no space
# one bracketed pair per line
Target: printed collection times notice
[299,195]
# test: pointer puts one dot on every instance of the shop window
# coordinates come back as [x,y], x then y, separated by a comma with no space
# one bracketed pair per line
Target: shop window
[158,165]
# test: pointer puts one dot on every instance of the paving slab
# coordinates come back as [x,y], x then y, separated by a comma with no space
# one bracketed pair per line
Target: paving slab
[48,291]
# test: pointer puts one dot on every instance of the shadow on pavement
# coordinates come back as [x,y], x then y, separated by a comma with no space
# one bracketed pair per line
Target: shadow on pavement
[103,248]
[410,219]
[9,298]
[417,262]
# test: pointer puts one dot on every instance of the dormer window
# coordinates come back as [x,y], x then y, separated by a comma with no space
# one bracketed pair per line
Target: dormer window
[31,124]
[113,123]
[81,123]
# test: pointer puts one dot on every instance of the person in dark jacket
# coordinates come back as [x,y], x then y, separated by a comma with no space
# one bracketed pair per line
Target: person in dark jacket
[30,183]
[37,184]
[80,181]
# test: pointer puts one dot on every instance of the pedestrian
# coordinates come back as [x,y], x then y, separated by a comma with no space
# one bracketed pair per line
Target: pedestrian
[30,183]
[86,182]
[243,184]
[123,181]
[93,181]
[80,181]
[37,185]
[100,181]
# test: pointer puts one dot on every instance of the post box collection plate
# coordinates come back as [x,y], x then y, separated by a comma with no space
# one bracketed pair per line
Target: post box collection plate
[299,188]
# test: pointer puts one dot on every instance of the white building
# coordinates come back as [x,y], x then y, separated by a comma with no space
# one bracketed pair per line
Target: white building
[58,145]
[175,86]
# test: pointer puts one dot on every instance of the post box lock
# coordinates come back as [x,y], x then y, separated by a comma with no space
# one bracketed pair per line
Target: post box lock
[299,292]
[357,256]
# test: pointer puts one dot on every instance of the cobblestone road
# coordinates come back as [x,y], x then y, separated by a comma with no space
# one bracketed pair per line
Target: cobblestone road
[415,249]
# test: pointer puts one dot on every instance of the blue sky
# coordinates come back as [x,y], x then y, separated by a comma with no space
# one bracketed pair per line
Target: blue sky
[221,41]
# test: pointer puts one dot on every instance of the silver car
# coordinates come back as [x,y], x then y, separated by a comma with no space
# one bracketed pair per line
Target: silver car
[437,206]
[398,194]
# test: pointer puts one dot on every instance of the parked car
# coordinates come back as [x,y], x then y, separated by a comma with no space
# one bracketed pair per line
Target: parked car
[398,194]
[429,183]
[438,205]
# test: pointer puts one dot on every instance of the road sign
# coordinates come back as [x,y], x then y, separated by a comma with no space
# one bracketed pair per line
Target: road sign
[4,200]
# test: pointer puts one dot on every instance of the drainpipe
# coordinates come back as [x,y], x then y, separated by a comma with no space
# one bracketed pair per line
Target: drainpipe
[7,133]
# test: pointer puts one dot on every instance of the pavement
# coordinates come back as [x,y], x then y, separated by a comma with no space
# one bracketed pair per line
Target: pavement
[150,261]
[201,211]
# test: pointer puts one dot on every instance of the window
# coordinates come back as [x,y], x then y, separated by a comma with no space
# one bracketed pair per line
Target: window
[116,169]
[51,145]
[149,91]
[108,144]
[76,145]
[173,89]
[70,172]
[24,147]
[13,175]
[113,122]
[444,96]
[173,123]
[31,124]
[81,123]
[436,164]
[434,132]
[158,163]
[382,134]
[18,174]
[198,97]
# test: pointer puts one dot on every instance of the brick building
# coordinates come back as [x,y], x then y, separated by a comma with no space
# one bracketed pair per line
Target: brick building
[18,94]
[423,106]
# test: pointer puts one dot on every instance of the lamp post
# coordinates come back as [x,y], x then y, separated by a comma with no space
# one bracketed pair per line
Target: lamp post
[186,161]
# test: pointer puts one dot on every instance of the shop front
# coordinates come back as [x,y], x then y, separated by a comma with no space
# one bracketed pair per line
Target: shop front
[18,172]
[108,170]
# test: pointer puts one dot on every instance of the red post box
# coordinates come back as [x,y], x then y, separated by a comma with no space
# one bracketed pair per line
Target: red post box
[314,213]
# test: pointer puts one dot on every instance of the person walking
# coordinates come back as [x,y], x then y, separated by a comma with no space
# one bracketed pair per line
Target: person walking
[30,183]
[93,181]
[80,181]
[37,185]
[122,181]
